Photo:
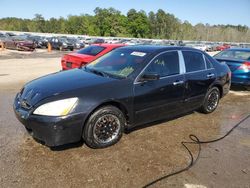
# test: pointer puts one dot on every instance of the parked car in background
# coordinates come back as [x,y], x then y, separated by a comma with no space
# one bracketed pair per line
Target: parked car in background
[86,55]
[38,40]
[3,38]
[19,42]
[238,60]
[222,47]
[76,42]
[61,43]
[244,45]
[128,87]
[98,41]
[201,47]
[9,34]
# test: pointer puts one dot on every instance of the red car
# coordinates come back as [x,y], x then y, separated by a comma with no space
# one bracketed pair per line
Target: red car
[222,47]
[19,43]
[86,55]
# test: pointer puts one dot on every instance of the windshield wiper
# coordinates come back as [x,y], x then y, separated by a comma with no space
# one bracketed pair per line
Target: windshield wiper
[96,71]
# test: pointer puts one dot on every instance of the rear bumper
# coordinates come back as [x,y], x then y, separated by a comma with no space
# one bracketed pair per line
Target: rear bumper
[241,80]
[52,131]
[66,65]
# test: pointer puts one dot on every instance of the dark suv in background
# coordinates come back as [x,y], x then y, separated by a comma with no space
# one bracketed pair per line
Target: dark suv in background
[61,43]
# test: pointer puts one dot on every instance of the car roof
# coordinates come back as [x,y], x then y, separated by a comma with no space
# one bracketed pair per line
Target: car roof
[156,48]
[239,49]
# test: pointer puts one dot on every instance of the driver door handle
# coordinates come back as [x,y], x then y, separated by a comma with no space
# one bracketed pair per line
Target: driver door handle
[178,83]
[210,75]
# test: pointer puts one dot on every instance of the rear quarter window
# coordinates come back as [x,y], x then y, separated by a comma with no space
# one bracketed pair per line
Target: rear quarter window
[208,63]
[194,61]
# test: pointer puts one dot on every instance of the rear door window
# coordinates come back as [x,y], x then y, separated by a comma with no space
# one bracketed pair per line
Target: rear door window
[194,61]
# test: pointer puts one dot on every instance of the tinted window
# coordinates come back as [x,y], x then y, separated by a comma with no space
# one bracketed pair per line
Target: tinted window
[209,64]
[165,65]
[193,61]
[91,50]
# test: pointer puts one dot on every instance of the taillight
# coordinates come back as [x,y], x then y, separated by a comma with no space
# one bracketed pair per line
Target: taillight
[83,64]
[245,67]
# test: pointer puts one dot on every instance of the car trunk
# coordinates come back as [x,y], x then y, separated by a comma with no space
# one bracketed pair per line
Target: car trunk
[232,64]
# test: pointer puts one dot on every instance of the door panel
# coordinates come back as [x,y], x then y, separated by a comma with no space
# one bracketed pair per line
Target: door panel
[197,84]
[158,99]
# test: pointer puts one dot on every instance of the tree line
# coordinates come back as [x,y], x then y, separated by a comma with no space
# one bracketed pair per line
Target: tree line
[137,24]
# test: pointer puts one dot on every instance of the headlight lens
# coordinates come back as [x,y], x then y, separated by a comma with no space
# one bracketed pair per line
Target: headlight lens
[56,108]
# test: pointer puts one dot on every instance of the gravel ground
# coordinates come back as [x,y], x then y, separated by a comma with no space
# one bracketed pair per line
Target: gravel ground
[139,158]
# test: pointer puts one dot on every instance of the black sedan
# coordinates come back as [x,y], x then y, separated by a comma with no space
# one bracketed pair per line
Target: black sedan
[127,87]
[61,43]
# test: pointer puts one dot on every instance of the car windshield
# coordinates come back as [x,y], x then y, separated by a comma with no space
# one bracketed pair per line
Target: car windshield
[118,63]
[63,40]
[234,54]
[74,40]
[91,50]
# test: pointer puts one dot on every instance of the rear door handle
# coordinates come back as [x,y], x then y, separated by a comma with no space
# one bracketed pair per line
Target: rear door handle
[178,82]
[210,75]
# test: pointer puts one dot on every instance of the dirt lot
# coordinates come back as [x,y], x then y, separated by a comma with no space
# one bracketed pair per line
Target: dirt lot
[139,158]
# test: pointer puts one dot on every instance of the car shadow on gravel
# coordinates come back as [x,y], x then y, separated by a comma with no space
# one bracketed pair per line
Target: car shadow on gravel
[68,146]
[239,88]
[155,123]
[127,131]
[62,147]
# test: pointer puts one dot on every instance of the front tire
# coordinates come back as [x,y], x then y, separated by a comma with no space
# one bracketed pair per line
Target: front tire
[104,127]
[211,100]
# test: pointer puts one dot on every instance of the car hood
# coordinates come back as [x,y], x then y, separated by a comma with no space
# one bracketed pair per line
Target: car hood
[60,83]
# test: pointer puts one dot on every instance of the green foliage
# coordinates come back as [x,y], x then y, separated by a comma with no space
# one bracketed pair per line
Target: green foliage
[110,22]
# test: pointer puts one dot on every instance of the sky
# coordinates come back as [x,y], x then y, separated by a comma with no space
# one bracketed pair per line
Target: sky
[233,12]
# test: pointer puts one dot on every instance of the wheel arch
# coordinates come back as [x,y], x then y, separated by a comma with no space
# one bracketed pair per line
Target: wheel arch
[219,86]
[116,104]
[220,89]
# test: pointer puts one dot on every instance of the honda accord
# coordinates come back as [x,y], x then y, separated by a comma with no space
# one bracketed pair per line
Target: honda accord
[127,87]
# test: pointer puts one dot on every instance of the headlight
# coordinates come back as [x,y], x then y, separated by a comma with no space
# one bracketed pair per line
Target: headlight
[64,44]
[56,108]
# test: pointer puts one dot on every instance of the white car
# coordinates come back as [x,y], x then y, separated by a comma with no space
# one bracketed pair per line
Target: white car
[201,47]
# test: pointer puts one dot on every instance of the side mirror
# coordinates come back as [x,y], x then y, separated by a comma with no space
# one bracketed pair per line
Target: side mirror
[149,77]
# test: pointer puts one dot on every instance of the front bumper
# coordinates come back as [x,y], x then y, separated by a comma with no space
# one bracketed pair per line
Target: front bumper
[52,131]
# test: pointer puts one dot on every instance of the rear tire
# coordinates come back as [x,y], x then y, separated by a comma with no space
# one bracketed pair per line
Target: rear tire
[211,100]
[104,127]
